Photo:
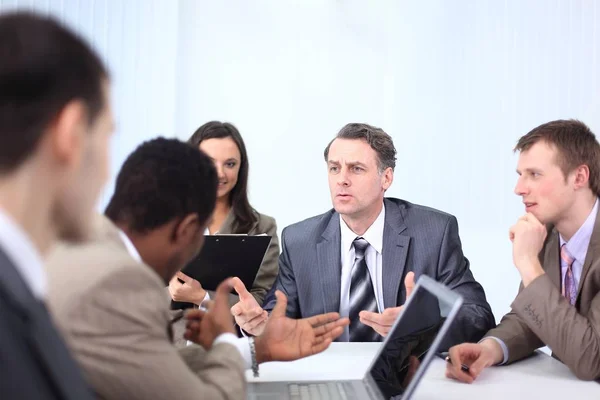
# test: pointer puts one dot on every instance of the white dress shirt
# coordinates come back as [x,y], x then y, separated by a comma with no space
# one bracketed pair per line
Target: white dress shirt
[373,257]
[240,343]
[20,250]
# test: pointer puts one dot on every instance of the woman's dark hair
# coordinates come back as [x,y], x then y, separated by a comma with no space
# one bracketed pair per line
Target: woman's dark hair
[245,215]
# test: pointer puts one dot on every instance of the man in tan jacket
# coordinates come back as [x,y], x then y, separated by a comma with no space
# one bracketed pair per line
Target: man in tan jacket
[556,248]
[113,311]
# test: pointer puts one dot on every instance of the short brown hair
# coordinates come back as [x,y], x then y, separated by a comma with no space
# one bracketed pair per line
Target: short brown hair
[43,66]
[379,141]
[575,143]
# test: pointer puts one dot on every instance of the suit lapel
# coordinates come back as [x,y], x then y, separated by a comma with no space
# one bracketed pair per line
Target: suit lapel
[591,255]
[394,252]
[552,259]
[54,355]
[226,227]
[46,345]
[18,293]
[330,264]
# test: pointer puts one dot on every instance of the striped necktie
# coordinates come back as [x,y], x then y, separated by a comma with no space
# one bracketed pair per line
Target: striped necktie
[568,288]
[362,295]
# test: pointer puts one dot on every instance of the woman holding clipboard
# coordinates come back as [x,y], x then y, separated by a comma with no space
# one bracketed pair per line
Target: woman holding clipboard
[233,213]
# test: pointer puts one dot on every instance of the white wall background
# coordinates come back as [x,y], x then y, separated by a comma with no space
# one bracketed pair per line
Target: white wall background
[455,83]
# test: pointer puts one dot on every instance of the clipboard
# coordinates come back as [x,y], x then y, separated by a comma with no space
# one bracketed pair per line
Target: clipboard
[225,256]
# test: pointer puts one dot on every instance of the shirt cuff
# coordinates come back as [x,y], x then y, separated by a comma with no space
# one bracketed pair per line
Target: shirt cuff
[206,298]
[243,332]
[502,344]
[240,343]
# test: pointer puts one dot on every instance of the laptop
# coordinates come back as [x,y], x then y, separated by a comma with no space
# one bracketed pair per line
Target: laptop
[401,360]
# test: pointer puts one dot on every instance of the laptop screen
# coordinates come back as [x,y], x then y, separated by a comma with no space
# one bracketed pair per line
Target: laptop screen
[409,341]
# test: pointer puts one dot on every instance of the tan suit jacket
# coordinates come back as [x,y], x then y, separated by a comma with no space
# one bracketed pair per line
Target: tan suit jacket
[266,275]
[542,316]
[114,316]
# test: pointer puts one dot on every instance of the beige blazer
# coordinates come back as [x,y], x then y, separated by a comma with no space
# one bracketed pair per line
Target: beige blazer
[114,316]
[542,316]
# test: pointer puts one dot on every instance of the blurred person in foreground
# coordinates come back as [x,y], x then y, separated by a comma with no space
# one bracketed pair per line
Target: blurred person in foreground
[55,126]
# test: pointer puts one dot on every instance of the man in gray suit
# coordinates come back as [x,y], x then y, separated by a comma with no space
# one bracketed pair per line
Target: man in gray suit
[354,258]
[55,125]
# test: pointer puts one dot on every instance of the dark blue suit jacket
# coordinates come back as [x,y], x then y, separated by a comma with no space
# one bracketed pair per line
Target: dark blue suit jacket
[34,360]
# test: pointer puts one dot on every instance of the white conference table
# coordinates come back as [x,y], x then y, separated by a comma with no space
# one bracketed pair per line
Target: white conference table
[538,377]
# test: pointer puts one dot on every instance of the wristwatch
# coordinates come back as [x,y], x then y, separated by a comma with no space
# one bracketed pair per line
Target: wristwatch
[253,355]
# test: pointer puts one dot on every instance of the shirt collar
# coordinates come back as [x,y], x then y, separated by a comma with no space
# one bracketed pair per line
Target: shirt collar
[579,243]
[130,247]
[27,259]
[373,235]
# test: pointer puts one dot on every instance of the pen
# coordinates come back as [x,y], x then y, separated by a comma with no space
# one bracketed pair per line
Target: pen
[463,367]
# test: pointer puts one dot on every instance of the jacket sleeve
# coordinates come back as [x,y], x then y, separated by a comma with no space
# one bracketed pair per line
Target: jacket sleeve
[120,336]
[573,338]
[267,273]
[475,317]
[286,282]
[520,341]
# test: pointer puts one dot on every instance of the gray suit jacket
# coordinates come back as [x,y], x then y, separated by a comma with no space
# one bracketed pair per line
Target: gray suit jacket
[415,238]
[34,360]
[114,315]
[541,315]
